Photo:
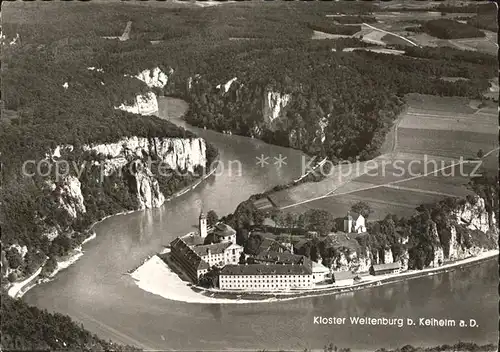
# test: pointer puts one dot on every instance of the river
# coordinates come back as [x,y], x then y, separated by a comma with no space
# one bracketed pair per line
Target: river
[97,292]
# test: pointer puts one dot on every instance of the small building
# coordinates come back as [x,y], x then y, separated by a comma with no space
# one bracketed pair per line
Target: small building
[354,222]
[346,277]
[383,269]
[320,273]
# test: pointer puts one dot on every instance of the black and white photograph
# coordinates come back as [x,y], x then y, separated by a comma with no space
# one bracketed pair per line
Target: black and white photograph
[249,175]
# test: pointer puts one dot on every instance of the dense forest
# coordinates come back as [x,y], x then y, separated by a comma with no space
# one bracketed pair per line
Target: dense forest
[349,98]
[487,21]
[29,328]
[450,29]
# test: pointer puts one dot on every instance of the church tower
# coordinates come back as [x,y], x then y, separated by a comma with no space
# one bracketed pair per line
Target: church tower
[203,225]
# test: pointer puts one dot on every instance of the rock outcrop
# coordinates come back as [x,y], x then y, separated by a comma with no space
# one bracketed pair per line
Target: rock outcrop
[225,87]
[144,104]
[274,103]
[146,187]
[175,153]
[474,215]
[70,196]
[388,256]
[154,78]
[179,154]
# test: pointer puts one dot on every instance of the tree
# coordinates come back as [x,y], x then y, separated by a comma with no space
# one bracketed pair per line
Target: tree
[241,237]
[212,218]
[319,220]
[14,258]
[242,258]
[362,208]
[480,153]
[12,277]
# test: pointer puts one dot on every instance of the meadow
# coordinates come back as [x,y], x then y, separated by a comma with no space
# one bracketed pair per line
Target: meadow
[430,154]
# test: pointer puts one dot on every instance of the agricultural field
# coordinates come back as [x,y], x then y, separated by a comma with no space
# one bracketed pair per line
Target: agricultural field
[382,200]
[430,154]
[398,22]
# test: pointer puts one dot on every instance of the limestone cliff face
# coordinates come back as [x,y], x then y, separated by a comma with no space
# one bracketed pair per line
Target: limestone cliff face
[70,196]
[155,78]
[475,217]
[404,257]
[180,154]
[438,248]
[388,256]
[478,232]
[144,104]
[225,87]
[175,153]
[320,132]
[274,103]
[351,261]
[146,187]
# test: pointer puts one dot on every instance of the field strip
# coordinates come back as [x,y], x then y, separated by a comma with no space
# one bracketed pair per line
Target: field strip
[418,190]
[329,194]
[469,117]
[397,35]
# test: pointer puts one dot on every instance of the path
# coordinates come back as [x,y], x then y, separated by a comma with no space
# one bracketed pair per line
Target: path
[394,34]
[126,33]
[329,194]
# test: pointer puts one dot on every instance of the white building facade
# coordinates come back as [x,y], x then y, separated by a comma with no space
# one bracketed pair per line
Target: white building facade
[219,254]
[354,222]
[261,277]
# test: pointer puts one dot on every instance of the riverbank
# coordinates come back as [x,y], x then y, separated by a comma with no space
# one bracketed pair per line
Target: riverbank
[18,289]
[156,277]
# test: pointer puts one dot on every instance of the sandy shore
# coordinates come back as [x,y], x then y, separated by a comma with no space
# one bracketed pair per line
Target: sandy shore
[155,276]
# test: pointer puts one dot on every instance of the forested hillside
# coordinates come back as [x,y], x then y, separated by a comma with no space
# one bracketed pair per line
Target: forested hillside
[29,328]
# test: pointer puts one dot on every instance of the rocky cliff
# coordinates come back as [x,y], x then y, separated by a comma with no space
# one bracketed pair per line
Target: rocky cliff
[469,231]
[132,173]
[144,104]
[274,103]
[155,78]
[225,87]
[178,154]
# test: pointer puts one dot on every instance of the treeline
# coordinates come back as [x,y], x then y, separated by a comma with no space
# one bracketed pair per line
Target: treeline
[458,347]
[450,29]
[453,55]
[487,21]
[29,328]
[332,28]
[353,19]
